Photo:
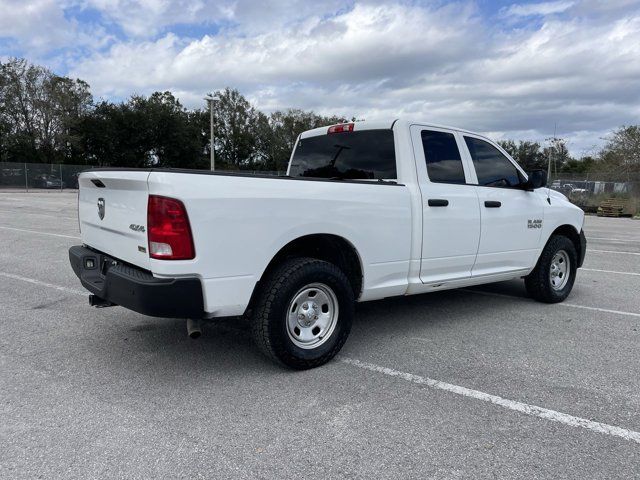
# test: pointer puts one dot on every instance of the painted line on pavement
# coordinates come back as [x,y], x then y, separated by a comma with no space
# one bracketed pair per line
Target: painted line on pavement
[33,281]
[609,271]
[527,409]
[589,250]
[631,240]
[561,304]
[39,233]
[47,215]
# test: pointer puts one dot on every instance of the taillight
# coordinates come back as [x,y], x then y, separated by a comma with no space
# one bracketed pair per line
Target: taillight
[168,229]
[345,127]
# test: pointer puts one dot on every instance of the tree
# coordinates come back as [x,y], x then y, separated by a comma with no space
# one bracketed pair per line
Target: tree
[581,165]
[278,136]
[527,154]
[176,136]
[144,132]
[622,151]
[237,125]
[37,110]
[557,153]
[510,147]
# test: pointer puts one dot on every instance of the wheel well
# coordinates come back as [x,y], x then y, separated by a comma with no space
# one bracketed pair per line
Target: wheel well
[569,232]
[330,248]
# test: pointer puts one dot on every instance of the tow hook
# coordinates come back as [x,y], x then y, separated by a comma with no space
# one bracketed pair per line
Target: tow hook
[194,328]
[98,302]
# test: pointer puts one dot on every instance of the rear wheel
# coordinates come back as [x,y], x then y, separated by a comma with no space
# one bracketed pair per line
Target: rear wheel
[552,279]
[303,313]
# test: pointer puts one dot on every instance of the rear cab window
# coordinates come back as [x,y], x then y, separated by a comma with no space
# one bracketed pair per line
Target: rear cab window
[354,155]
[441,154]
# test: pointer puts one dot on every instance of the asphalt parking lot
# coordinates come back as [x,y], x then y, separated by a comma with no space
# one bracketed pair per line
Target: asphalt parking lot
[463,384]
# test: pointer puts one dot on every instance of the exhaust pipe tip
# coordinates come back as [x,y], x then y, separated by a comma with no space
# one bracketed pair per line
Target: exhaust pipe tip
[194,328]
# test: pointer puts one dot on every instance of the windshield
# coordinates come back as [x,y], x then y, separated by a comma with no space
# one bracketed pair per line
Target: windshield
[367,154]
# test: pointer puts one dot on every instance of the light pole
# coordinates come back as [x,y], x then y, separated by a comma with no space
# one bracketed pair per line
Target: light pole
[210,99]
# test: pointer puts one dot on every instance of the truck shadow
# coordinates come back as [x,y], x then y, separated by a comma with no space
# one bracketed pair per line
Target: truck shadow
[226,345]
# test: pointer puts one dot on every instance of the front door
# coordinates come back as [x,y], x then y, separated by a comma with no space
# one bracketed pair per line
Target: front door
[511,217]
[450,212]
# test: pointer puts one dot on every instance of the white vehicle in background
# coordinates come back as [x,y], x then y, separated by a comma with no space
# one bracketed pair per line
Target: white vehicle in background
[367,211]
[579,191]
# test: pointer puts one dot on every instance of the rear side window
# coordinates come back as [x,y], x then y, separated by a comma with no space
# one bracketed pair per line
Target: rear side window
[492,167]
[441,153]
[367,154]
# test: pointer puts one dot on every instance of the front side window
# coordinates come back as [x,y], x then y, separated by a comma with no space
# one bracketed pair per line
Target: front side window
[365,154]
[492,167]
[441,153]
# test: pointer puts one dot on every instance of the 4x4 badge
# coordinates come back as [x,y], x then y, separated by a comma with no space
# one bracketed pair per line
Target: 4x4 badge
[101,208]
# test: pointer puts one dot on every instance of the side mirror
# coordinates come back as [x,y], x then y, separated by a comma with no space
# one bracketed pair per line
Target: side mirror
[537,179]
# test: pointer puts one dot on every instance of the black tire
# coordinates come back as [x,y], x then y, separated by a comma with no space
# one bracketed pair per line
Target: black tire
[538,282]
[269,318]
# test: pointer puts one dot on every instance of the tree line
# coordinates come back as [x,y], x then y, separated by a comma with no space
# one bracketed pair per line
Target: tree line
[619,159]
[48,118]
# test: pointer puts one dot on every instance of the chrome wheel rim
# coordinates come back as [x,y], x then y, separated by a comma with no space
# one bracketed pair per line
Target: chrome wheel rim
[312,315]
[560,271]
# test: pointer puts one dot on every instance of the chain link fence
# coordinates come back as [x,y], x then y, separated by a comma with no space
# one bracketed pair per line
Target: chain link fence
[43,176]
[590,191]
[39,176]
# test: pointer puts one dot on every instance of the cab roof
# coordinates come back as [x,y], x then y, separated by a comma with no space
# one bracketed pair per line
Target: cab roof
[382,125]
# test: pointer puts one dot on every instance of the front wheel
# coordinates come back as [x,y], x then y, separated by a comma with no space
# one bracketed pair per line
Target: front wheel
[552,279]
[303,313]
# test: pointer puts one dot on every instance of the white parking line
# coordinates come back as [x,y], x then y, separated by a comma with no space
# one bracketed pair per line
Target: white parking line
[48,215]
[605,310]
[609,271]
[561,304]
[623,240]
[589,250]
[525,408]
[39,233]
[33,281]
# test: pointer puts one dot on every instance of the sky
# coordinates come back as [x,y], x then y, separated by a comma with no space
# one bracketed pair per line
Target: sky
[519,70]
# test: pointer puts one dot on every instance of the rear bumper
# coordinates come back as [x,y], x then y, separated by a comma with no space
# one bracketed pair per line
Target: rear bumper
[134,288]
[583,248]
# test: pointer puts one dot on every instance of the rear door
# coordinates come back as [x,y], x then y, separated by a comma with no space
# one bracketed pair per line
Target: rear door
[450,212]
[511,217]
[112,210]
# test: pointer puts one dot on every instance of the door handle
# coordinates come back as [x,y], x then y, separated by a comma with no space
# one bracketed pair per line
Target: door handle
[437,202]
[492,204]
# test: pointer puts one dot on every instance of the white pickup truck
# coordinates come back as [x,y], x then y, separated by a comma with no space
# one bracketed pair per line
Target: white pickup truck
[367,211]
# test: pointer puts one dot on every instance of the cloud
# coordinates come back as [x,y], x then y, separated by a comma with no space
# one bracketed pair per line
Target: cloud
[146,19]
[36,28]
[543,8]
[574,63]
[36,25]
[366,43]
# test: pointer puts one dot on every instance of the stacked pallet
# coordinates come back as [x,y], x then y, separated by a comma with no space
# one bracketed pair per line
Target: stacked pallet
[613,207]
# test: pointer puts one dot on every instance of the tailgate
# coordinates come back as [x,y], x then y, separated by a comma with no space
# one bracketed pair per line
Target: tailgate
[112,210]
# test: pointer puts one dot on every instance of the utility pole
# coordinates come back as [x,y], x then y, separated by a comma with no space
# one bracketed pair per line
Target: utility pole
[549,164]
[555,128]
[210,99]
